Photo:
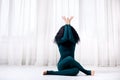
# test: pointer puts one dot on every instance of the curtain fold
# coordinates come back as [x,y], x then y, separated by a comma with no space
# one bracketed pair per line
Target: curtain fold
[28,27]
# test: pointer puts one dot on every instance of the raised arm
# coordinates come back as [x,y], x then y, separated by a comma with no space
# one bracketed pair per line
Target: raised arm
[67,31]
[68,35]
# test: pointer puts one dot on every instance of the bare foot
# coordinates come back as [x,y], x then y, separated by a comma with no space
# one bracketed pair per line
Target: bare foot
[45,72]
[92,72]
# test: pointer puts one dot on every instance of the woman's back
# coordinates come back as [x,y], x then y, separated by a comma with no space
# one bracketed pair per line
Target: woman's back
[66,49]
[67,42]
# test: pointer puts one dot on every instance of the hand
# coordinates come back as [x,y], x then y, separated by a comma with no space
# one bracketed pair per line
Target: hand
[67,20]
[71,19]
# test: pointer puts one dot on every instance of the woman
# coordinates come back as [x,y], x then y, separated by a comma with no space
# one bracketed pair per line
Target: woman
[66,40]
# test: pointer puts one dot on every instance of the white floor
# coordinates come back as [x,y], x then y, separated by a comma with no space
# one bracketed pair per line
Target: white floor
[35,73]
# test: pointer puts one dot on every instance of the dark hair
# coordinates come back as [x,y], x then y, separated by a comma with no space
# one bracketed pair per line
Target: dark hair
[60,33]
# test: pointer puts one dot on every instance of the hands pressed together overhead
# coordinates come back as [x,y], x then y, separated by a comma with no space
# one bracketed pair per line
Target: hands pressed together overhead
[67,20]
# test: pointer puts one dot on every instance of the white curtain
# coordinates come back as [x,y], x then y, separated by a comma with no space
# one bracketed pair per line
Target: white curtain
[28,27]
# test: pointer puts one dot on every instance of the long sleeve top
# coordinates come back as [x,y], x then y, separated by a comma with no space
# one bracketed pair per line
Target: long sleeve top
[67,43]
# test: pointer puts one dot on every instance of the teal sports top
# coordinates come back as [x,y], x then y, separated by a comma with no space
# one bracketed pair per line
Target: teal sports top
[67,43]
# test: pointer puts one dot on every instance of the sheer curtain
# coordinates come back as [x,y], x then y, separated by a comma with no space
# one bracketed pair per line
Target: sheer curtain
[28,27]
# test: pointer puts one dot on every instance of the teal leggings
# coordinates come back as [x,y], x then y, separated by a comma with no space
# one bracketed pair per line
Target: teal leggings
[69,67]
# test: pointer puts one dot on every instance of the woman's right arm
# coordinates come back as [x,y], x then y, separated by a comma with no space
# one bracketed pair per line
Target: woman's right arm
[66,34]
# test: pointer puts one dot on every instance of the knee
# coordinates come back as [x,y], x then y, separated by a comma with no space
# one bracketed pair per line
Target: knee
[75,72]
[65,63]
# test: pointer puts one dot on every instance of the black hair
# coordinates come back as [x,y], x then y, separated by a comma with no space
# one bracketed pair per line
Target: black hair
[60,33]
